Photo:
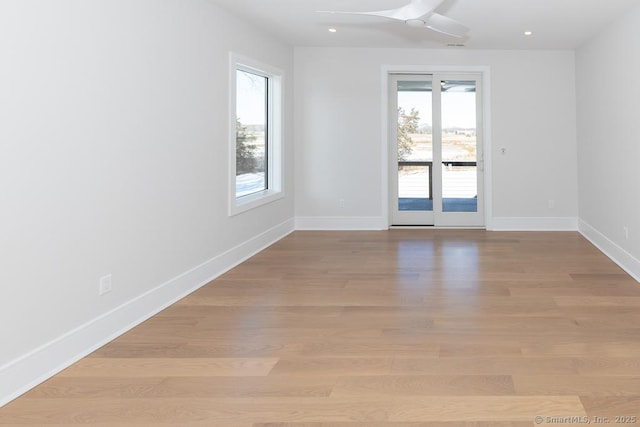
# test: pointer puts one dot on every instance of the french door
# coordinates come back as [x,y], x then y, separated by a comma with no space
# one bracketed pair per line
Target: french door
[436,169]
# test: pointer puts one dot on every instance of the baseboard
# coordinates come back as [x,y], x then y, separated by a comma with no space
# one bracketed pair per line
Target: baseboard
[341,223]
[534,224]
[26,372]
[379,223]
[619,255]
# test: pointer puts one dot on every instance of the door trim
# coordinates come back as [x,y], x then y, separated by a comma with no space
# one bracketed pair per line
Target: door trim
[485,74]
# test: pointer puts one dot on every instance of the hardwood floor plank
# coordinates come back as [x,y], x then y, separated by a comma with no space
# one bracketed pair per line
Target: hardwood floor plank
[60,387]
[332,366]
[370,349]
[611,407]
[595,346]
[229,410]
[281,335]
[572,288]
[599,301]
[609,366]
[183,387]
[617,277]
[462,349]
[498,365]
[193,349]
[492,324]
[247,317]
[613,320]
[205,423]
[424,385]
[487,408]
[418,424]
[299,299]
[576,385]
[139,367]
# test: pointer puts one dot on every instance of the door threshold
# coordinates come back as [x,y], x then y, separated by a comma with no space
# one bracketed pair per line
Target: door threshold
[434,227]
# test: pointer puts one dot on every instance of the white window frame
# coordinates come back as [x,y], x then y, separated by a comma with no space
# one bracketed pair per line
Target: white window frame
[274,165]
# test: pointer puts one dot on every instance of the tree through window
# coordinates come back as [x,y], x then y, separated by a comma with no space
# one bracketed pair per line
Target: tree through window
[252,137]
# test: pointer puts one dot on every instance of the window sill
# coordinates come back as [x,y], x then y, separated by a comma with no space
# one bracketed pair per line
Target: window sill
[252,201]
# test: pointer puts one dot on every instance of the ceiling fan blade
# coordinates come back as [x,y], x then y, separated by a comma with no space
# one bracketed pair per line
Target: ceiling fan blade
[382,13]
[444,25]
[414,10]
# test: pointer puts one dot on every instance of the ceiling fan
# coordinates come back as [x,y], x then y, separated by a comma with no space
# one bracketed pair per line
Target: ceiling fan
[418,13]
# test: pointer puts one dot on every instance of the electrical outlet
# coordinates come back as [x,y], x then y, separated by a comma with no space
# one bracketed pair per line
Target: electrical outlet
[341,203]
[626,232]
[552,204]
[105,285]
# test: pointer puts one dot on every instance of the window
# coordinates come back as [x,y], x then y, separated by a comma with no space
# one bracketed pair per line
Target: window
[255,135]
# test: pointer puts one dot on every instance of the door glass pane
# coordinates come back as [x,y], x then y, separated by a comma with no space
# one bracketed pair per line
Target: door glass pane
[251,133]
[459,147]
[415,146]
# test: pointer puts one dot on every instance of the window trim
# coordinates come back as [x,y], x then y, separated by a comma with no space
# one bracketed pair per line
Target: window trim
[274,162]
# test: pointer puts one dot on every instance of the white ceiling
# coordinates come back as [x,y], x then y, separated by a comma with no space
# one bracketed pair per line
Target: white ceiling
[495,24]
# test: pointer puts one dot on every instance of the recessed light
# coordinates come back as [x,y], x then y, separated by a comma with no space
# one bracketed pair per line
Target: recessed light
[528,33]
[333,30]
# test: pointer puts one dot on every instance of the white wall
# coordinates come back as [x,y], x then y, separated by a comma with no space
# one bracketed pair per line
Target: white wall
[609,139]
[338,134]
[113,158]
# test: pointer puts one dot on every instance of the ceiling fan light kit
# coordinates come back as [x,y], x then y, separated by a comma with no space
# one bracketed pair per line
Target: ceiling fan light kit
[418,13]
[415,22]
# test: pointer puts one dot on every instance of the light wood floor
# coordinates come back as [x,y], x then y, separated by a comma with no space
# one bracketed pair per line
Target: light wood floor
[406,328]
